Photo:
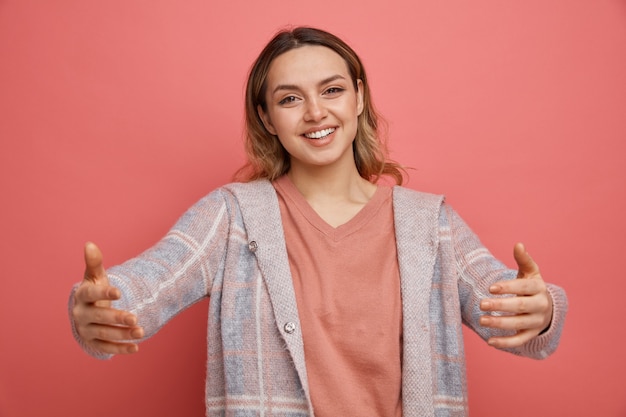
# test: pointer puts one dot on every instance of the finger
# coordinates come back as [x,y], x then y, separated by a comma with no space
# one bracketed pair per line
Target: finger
[518,322]
[514,305]
[517,305]
[514,341]
[518,287]
[114,348]
[89,292]
[525,264]
[115,334]
[106,316]
[94,271]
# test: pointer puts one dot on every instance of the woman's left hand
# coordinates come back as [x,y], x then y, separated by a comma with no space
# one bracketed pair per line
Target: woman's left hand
[528,313]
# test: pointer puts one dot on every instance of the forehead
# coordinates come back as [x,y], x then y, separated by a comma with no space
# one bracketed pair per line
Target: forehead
[306,63]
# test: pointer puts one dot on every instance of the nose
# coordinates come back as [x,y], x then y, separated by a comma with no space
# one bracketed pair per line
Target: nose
[315,110]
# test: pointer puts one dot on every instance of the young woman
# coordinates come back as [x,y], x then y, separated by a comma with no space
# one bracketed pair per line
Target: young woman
[329,293]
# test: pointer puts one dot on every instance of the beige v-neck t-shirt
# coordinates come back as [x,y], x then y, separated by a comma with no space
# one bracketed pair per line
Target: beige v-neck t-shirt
[347,286]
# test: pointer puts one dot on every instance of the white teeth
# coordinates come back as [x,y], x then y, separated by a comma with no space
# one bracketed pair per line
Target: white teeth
[320,134]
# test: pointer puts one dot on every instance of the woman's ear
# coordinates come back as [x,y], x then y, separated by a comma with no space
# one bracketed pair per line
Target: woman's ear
[265,118]
[359,97]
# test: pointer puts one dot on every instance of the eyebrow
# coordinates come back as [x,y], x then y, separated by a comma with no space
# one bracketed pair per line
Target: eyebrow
[295,87]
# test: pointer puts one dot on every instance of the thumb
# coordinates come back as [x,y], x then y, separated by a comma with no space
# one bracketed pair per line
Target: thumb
[94,271]
[527,268]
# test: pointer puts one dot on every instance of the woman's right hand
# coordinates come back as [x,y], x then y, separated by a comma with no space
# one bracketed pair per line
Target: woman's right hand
[102,328]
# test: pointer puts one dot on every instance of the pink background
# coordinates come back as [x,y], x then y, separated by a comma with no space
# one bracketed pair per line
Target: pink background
[115,116]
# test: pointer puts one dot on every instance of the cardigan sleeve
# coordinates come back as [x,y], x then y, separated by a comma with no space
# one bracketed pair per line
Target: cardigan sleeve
[476,269]
[176,272]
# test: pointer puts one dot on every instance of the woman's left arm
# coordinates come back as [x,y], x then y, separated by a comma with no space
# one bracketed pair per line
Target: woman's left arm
[512,310]
[528,313]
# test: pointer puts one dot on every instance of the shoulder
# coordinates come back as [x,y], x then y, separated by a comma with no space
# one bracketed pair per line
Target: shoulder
[255,200]
[255,186]
[258,193]
[231,198]
[408,199]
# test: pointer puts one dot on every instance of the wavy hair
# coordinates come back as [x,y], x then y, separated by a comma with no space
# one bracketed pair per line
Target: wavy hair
[266,156]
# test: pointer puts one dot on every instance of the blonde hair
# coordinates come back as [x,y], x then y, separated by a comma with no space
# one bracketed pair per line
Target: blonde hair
[266,156]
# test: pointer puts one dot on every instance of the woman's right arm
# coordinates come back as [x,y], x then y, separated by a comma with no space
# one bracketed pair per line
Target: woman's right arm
[110,311]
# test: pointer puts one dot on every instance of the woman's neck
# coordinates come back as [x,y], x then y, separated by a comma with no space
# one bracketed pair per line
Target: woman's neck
[336,195]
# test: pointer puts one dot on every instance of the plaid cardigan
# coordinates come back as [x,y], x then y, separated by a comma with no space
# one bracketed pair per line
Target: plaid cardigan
[230,247]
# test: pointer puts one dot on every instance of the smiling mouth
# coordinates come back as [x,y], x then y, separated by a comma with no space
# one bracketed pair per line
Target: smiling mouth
[320,133]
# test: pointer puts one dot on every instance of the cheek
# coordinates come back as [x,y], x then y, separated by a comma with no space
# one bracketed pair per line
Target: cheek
[285,122]
[284,129]
[288,145]
[355,114]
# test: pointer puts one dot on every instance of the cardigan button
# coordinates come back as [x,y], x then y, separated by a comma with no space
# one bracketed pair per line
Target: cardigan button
[290,327]
[253,246]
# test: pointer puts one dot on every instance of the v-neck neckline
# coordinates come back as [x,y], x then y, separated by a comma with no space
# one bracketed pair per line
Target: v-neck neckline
[357,221]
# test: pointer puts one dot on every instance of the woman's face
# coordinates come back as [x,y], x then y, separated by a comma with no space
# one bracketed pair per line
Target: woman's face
[312,106]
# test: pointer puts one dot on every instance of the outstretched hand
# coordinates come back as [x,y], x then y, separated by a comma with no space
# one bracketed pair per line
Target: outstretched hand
[102,327]
[528,313]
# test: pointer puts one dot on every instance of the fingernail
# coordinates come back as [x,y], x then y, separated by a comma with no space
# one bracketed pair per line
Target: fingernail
[137,333]
[494,288]
[131,320]
[485,305]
